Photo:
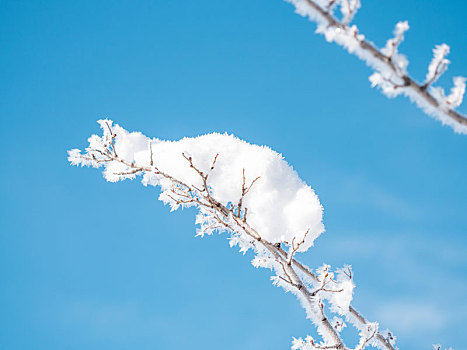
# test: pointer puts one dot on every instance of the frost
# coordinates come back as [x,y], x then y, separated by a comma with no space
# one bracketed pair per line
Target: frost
[438,64]
[390,84]
[392,46]
[457,92]
[338,324]
[368,336]
[344,283]
[348,9]
[389,336]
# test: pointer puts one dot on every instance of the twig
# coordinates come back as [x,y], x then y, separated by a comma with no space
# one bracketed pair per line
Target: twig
[245,190]
[214,161]
[151,161]
[293,249]
[113,136]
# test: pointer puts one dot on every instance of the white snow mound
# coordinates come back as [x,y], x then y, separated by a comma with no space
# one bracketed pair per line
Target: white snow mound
[281,207]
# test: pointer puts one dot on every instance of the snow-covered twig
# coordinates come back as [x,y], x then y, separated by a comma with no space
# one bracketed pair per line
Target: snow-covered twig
[202,172]
[390,67]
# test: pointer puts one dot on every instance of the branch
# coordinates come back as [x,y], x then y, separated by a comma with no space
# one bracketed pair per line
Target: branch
[313,290]
[226,218]
[386,62]
[359,318]
[245,190]
[293,249]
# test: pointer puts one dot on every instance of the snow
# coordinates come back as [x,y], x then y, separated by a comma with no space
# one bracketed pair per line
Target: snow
[281,207]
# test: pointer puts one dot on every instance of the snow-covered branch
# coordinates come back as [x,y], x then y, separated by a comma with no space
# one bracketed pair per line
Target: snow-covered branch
[389,65]
[212,173]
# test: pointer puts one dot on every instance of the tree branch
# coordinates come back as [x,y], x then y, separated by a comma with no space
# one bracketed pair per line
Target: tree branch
[310,288]
[347,36]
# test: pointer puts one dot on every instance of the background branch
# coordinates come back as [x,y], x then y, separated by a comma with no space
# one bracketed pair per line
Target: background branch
[387,65]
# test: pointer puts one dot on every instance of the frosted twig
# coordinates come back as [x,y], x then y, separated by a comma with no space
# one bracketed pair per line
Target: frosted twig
[218,213]
[438,64]
[222,215]
[364,340]
[385,62]
[112,139]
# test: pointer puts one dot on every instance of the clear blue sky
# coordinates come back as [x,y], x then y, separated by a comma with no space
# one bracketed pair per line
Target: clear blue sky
[86,264]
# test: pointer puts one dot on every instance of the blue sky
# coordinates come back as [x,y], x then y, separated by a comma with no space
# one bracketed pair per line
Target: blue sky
[86,264]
